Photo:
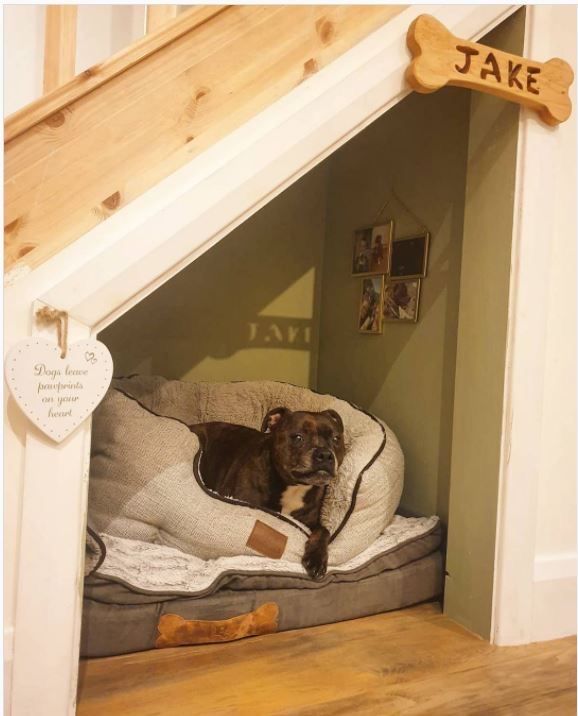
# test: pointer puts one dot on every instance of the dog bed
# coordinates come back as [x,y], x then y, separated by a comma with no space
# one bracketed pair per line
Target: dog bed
[146,472]
[142,596]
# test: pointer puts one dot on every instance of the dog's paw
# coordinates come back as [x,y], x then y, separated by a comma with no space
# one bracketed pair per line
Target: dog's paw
[315,563]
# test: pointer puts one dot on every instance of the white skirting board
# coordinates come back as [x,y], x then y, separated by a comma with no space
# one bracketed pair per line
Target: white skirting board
[554,598]
[8,652]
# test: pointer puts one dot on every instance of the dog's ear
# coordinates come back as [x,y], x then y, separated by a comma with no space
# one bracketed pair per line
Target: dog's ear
[272,419]
[335,417]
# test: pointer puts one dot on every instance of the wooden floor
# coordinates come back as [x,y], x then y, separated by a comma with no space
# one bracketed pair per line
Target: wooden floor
[414,661]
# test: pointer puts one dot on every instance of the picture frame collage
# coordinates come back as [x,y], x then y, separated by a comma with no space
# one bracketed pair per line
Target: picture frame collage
[391,270]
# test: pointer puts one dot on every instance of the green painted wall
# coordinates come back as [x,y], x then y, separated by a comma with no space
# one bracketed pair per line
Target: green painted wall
[481,348]
[406,375]
[247,309]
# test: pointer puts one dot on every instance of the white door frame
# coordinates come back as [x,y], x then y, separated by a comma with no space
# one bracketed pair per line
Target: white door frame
[535,203]
[119,262]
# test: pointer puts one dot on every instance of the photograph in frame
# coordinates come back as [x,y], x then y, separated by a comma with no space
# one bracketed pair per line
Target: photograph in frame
[370,319]
[372,249]
[401,300]
[409,256]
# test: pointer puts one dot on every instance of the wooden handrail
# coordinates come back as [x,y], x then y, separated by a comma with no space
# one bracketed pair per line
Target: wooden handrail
[97,75]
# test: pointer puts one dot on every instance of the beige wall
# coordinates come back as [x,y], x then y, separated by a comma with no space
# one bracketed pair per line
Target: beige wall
[246,310]
[23,53]
[102,30]
[406,375]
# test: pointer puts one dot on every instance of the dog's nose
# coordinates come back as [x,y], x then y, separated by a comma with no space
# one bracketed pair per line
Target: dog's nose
[322,455]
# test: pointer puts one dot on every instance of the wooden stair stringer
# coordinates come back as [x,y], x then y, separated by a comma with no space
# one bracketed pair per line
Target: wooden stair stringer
[80,154]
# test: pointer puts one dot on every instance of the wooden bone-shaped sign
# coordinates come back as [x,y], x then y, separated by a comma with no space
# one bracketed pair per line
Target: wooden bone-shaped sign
[441,59]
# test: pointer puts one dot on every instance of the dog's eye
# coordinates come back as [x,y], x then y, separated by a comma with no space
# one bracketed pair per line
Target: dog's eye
[336,438]
[297,438]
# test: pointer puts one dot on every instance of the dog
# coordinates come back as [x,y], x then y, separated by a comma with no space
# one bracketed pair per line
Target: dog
[285,467]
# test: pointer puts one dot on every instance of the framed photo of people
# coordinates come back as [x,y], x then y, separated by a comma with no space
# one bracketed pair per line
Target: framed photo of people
[409,256]
[372,250]
[371,305]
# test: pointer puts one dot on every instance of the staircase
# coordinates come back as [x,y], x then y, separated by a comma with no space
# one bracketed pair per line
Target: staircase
[91,146]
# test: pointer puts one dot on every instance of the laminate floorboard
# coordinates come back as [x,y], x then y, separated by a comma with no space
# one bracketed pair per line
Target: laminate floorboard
[413,661]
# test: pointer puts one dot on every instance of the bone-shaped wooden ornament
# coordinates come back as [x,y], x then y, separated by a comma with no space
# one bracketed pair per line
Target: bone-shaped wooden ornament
[441,59]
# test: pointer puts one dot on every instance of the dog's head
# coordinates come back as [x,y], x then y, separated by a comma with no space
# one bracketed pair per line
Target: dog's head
[307,448]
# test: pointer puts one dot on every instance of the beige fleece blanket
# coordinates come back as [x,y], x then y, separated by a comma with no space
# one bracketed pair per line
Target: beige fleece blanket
[158,569]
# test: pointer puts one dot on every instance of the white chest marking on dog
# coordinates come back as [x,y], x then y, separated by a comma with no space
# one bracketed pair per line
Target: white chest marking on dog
[293,498]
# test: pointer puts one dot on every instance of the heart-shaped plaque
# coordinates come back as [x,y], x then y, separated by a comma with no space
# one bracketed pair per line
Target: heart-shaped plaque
[58,394]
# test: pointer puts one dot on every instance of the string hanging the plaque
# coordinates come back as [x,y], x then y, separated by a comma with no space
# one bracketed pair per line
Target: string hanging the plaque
[49,315]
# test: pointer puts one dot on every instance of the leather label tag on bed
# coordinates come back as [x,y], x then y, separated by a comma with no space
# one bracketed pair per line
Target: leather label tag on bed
[267,541]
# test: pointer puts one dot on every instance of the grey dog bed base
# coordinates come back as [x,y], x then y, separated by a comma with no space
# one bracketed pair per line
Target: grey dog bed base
[119,619]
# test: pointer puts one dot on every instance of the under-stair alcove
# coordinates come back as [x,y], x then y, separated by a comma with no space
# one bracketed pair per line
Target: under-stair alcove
[276,300]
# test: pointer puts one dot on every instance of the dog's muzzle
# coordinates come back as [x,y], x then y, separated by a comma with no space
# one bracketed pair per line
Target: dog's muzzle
[321,469]
[323,460]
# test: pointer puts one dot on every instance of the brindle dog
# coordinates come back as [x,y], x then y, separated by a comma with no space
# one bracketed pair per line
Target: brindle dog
[285,467]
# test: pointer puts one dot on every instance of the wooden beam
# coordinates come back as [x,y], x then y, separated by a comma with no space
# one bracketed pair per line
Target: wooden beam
[59,46]
[159,15]
[78,165]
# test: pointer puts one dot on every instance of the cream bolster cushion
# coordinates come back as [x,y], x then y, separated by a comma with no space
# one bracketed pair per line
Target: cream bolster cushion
[145,482]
